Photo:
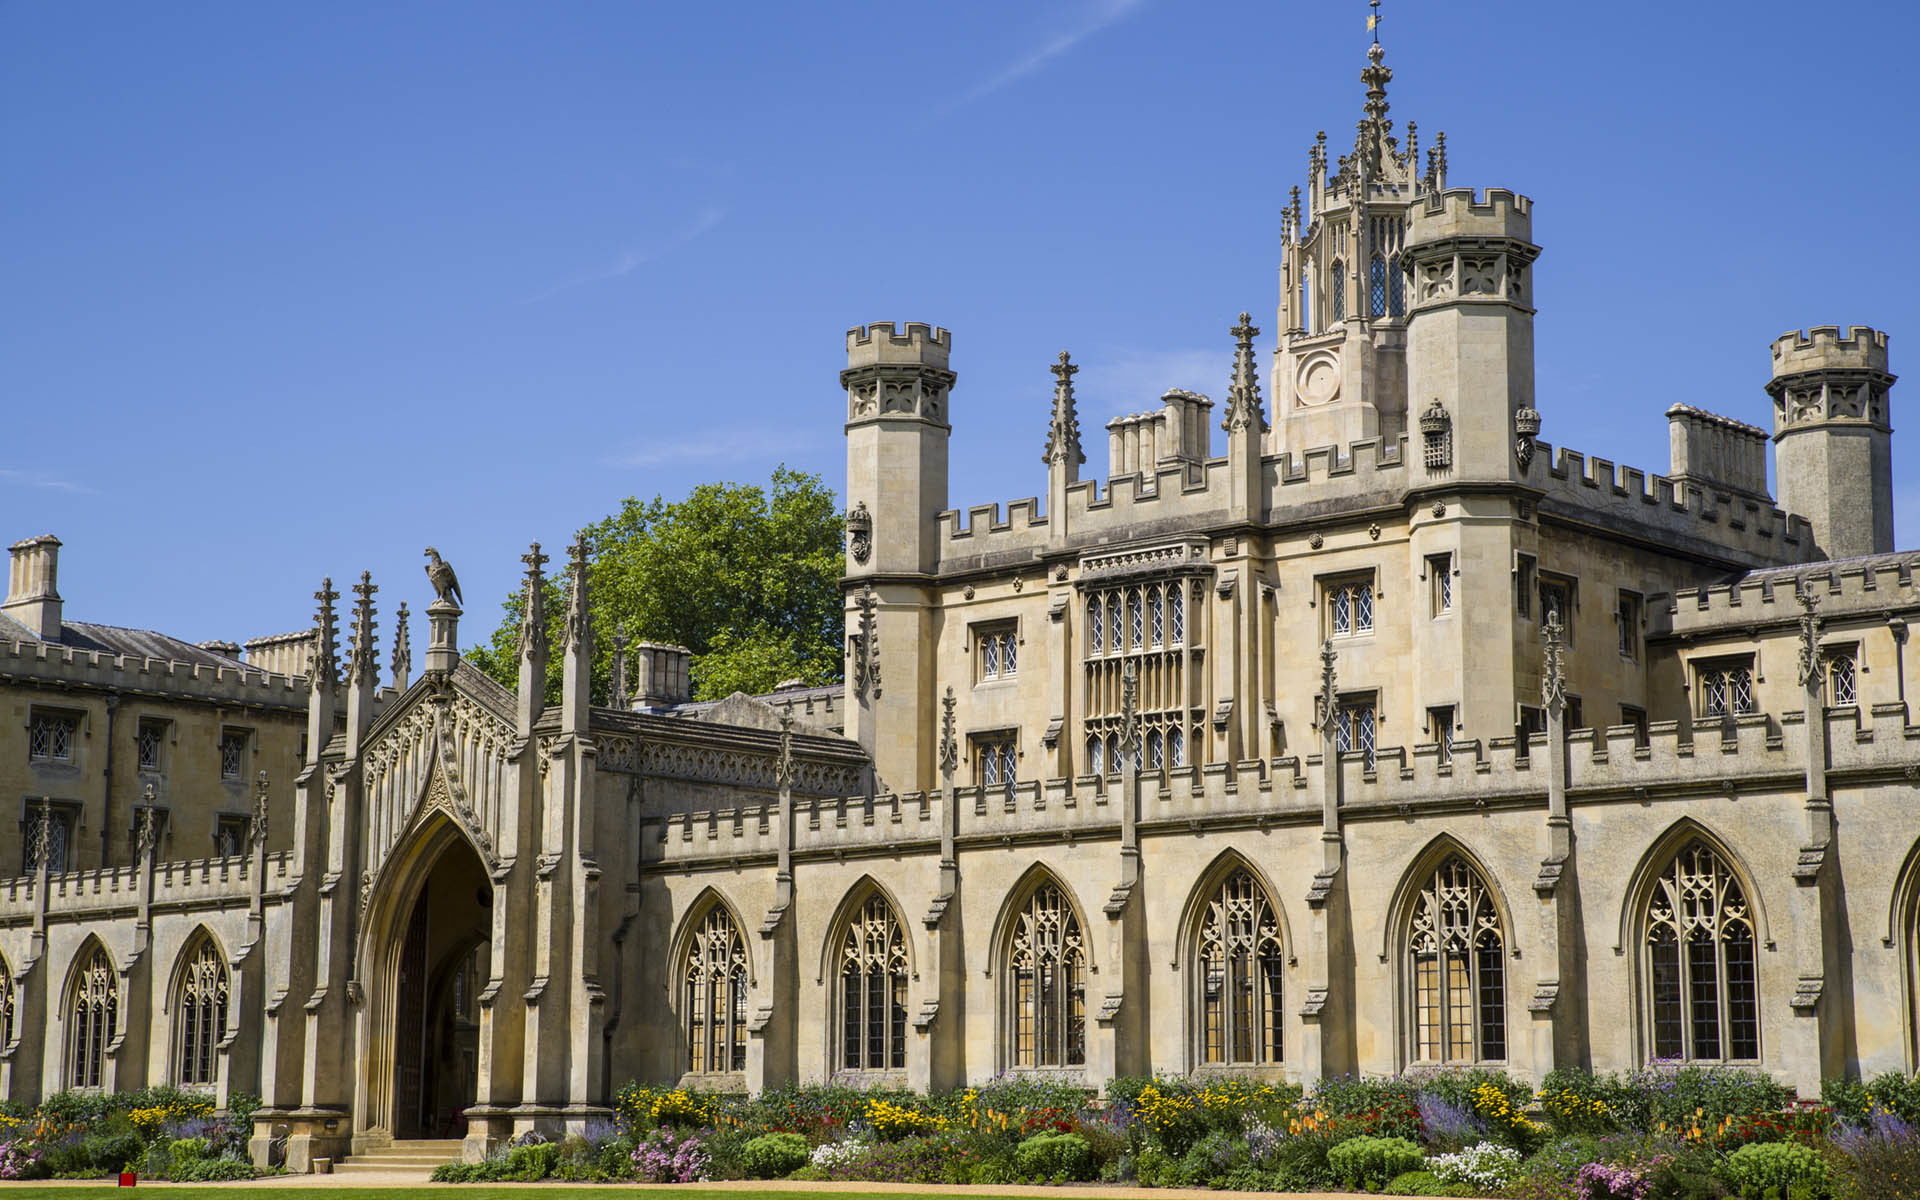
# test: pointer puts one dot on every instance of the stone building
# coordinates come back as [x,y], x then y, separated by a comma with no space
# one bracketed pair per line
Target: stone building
[1379,734]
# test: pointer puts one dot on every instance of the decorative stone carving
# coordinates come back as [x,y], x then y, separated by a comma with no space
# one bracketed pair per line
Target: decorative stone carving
[1479,276]
[1317,380]
[1436,280]
[1526,426]
[446,585]
[865,648]
[1316,541]
[860,532]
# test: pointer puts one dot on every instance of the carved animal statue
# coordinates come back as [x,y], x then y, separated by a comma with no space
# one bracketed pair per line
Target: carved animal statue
[446,585]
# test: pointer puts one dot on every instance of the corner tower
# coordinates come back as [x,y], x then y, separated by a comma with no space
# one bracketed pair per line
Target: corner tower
[897,387]
[1833,436]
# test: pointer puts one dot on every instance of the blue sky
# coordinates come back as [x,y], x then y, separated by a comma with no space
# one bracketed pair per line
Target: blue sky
[293,291]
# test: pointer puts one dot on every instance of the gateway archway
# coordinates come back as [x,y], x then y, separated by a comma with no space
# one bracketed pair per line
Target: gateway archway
[432,954]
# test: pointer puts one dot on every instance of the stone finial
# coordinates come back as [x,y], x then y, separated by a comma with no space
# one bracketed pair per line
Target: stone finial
[43,835]
[617,692]
[145,834]
[1328,699]
[1130,712]
[1243,396]
[257,828]
[326,647]
[866,647]
[579,627]
[363,666]
[1810,623]
[783,765]
[949,745]
[533,607]
[1063,433]
[1553,677]
[402,663]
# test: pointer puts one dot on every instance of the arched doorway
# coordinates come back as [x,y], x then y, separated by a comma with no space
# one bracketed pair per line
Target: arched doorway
[443,962]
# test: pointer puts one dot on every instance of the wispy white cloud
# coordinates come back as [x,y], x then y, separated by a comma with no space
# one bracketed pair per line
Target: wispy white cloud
[1134,380]
[719,444]
[630,260]
[40,479]
[1090,19]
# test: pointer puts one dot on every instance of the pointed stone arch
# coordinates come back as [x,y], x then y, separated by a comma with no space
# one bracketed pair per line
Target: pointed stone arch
[707,1000]
[196,1007]
[1903,938]
[709,897]
[10,1025]
[851,902]
[1661,851]
[1031,880]
[1449,1004]
[1041,941]
[1223,865]
[92,1010]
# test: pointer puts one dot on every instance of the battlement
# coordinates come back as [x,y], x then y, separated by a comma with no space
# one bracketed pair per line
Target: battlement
[1749,755]
[1688,514]
[878,343]
[65,666]
[1825,348]
[1461,212]
[110,889]
[1868,586]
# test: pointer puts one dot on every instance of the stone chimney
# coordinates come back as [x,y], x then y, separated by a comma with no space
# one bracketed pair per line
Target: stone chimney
[663,680]
[33,599]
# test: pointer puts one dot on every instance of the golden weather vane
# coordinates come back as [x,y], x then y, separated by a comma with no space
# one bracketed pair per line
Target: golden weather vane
[1373,20]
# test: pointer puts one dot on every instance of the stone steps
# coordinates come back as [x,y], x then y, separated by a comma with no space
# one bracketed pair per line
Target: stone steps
[419,1156]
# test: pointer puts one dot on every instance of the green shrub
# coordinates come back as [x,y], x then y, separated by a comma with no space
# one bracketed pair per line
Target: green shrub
[811,1174]
[774,1155]
[213,1170]
[1424,1183]
[527,1164]
[1774,1167]
[1855,1101]
[1369,1162]
[461,1172]
[1054,1157]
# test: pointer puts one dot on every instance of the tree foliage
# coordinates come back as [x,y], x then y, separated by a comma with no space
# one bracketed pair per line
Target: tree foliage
[748,578]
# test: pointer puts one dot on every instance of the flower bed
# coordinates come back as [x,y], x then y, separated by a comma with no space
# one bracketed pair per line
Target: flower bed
[158,1133]
[1659,1134]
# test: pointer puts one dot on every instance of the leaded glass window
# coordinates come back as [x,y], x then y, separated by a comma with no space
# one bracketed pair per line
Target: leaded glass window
[1840,677]
[1176,615]
[873,990]
[1116,641]
[1350,607]
[1377,286]
[200,1016]
[1095,627]
[50,737]
[1337,289]
[147,745]
[1156,618]
[1240,964]
[233,754]
[1456,969]
[1156,751]
[1701,971]
[716,995]
[1096,755]
[93,1016]
[1113,754]
[1046,972]
[1725,689]
[1396,288]
[7,1001]
[995,758]
[1176,747]
[1134,624]
[1353,729]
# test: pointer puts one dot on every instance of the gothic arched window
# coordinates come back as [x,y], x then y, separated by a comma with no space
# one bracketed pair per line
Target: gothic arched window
[873,990]
[200,1015]
[1047,983]
[1113,754]
[1457,972]
[1176,614]
[1239,965]
[1096,755]
[1134,623]
[1156,751]
[715,1017]
[1176,747]
[1095,627]
[1377,286]
[6,1003]
[1702,999]
[1306,296]
[1396,288]
[1337,290]
[1156,617]
[93,1015]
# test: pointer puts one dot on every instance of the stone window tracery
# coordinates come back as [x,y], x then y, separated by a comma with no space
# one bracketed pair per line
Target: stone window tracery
[1841,692]
[58,832]
[93,1016]
[999,652]
[1725,689]
[148,744]
[1456,969]
[1349,607]
[1239,967]
[7,1002]
[1148,625]
[1047,983]
[200,1015]
[233,753]
[1702,1002]
[873,990]
[1353,727]
[50,737]
[995,760]
[715,1014]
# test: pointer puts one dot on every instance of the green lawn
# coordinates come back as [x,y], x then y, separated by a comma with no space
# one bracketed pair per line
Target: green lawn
[464,1191]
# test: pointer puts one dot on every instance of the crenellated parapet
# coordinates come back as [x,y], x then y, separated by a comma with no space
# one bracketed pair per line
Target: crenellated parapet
[1744,756]
[186,883]
[898,374]
[1861,587]
[54,665]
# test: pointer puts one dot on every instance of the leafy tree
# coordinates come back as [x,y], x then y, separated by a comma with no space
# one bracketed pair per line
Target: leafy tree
[748,578]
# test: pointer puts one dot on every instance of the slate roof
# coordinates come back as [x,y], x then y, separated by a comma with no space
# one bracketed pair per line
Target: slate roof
[114,639]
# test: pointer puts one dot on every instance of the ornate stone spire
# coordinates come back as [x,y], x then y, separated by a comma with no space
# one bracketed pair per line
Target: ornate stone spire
[1553,675]
[533,608]
[402,650]
[1243,397]
[364,666]
[579,628]
[1063,434]
[326,647]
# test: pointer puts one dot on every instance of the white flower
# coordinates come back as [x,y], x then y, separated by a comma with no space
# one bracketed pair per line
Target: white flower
[1486,1166]
[832,1154]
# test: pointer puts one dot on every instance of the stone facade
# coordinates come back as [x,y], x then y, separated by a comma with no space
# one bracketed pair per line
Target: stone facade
[1385,735]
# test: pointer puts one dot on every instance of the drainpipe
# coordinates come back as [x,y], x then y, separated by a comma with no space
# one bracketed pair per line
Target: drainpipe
[613,1011]
[106,804]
